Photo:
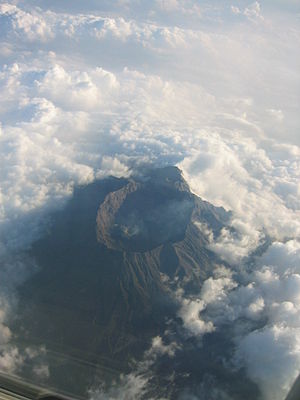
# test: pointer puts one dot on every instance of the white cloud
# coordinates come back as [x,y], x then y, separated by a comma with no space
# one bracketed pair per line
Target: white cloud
[32,25]
[86,95]
[135,385]
[244,178]
[190,314]
[282,256]
[10,359]
[214,289]
[234,246]
[5,333]
[77,90]
[132,386]
[272,357]
[271,293]
[112,166]
[159,348]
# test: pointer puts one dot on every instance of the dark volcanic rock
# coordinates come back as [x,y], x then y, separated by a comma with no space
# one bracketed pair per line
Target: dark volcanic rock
[144,215]
[110,262]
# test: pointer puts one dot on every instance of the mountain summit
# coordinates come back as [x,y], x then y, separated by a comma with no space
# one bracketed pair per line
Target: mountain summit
[146,213]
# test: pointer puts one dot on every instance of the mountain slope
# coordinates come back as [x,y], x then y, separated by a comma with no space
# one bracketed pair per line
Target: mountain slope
[110,263]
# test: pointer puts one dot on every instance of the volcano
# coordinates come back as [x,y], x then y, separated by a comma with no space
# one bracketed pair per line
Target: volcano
[110,264]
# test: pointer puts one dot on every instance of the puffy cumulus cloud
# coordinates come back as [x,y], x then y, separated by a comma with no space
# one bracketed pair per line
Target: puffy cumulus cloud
[16,266]
[5,333]
[246,179]
[190,315]
[32,25]
[113,166]
[13,271]
[150,36]
[33,175]
[268,299]
[282,256]
[67,134]
[13,359]
[273,356]
[159,348]
[10,359]
[91,94]
[121,29]
[214,289]
[77,90]
[214,293]
[234,246]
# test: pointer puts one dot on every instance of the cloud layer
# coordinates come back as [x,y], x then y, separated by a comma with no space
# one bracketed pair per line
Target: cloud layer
[265,311]
[211,87]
